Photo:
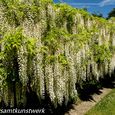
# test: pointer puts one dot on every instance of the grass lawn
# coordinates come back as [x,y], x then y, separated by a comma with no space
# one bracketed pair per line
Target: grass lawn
[105,107]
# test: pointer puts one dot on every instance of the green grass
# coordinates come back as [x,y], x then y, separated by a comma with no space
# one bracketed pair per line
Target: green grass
[105,107]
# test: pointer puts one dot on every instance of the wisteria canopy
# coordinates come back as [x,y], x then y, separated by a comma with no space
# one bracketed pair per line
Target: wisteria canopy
[49,47]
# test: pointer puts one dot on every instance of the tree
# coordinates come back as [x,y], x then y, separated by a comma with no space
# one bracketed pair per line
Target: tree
[111,13]
[97,14]
[85,9]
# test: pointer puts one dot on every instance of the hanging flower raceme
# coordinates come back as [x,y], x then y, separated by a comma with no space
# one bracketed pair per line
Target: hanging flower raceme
[37,77]
[22,61]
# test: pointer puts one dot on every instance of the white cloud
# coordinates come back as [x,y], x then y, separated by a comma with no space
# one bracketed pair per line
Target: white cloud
[87,4]
[100,4]
[107,2]
[61,1]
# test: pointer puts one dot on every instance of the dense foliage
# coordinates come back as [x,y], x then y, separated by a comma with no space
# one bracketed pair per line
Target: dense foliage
[111,13]
[49,48]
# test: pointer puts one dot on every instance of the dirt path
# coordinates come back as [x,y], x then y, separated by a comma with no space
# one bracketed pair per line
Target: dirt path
[84,106]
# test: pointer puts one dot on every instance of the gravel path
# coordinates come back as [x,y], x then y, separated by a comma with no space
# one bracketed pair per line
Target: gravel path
[84,106]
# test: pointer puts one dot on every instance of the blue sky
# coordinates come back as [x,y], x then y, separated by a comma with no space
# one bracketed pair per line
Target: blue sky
[98,6]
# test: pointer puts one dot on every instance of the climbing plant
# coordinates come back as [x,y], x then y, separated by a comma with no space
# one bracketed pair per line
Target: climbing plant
[47,48]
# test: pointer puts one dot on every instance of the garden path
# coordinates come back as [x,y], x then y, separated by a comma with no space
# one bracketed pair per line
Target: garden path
[84,106]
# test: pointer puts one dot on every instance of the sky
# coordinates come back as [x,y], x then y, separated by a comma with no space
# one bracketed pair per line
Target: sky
[93,6]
